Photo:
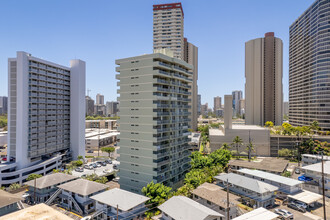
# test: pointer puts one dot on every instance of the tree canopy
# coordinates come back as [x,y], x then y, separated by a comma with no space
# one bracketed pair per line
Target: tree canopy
[108,150]
[33,176]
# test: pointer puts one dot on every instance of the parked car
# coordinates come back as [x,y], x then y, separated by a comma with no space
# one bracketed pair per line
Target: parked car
[297,171]
[107,171]
[94,165]
[116,179]
[89,167]
[296,207]
[304,205]
[101,163]
[108,161]
[115,166]
[79,169]
[98,164]
[90,151]
[284,214]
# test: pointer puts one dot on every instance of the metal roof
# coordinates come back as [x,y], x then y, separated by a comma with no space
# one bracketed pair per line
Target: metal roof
[83,187]
[247,183]
[258,214]
[306,197]
[124,199]
[7,198]
[316,167]
[51,180]
[270,176]
[183,208]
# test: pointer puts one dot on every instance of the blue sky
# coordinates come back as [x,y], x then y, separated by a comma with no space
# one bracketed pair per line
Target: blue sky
[101,31]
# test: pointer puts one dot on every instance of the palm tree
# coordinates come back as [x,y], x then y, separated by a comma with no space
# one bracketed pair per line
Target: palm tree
[225,146]
[237,141]
[250,148]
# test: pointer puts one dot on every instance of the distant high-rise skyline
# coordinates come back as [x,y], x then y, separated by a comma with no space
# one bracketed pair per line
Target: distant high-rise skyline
[237,96]
[3,105]
[168,28]
[309,67]
[263,86]
[216,103]
[99,99]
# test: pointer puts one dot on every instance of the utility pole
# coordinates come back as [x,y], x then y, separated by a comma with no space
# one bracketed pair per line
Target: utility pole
[227,200]
[117,211]
[323,191]
[35,186]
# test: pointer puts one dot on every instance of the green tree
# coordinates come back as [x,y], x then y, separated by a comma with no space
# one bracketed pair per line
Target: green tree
[284,152]
[108,150]
[237,141]
[77,163]
[198,160]
[33,176]
[269,124]
[286,124]
[225,146]
[286,174]
[102,179]
[219,157]
[250,149]
[195,177]
[158,193]
[315,126]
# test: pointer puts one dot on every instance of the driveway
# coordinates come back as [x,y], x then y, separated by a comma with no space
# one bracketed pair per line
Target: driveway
[296,214]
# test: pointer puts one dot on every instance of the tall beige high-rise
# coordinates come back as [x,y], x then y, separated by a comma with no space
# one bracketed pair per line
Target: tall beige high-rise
[217,103]
[191,57]
[263,86]
[168,28]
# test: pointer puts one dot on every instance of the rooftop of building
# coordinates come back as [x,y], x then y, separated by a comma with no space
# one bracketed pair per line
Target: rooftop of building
[316,156]
[40,211]
[107,135]
[317,167]
[247,183]
[270,176]
[51,180]
[124,199]
[216,132]
[83,187]
[181,207]
[97,120]
[215,194]
[269,164]
[7,198]
[258,214]
[306,197]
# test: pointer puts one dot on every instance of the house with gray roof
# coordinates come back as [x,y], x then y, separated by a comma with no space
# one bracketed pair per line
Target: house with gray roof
[258,214]
[215,197]
[253,192]
[181,207]
[9,203]
[44,187]
[76,195]
[286,185]
[130,205]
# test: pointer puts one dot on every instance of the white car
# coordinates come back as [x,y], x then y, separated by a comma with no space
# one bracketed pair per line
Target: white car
[301,204]
[285,214]
[107,171]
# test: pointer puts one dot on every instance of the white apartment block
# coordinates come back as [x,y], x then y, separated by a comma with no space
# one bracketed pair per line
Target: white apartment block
[309,159]
[46,112]
[168,28]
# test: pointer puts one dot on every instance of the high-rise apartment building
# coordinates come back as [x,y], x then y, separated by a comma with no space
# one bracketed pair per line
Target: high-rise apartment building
[286,108]
[263,85]
[191,57]
[204,109]
[112,108]
[99,99]
[3,105]
[309,67]
[237,96]
[46,110]
[168,28]
[242,107]
[89,106]
[154,120]
[216,103]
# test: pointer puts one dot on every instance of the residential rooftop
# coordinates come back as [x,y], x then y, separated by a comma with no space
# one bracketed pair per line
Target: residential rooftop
[317,167]
[215,194]
[269,164]
[124,199]
[306,197]
[258,214]
[51,180]
[316,156]
[83,187]
[40,211]
[270,176]
[181,207]
[247,183]
[7,198]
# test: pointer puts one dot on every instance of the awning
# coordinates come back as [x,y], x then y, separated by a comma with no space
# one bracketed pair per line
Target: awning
[306,197]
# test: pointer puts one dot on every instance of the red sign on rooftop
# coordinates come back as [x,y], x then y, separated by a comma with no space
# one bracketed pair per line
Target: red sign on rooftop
[168,6]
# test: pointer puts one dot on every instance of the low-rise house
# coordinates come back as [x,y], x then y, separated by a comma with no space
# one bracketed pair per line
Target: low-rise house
[286,185]
[41,189]
[313,177]
[267,164]
[76,195]
[258,214]
[129,205]
[308,159]
[215,197]
[254,193]
[181,207]
[40,211]
[9,203]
